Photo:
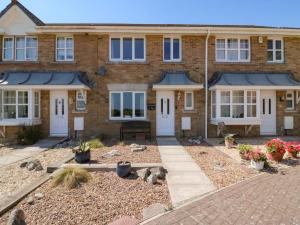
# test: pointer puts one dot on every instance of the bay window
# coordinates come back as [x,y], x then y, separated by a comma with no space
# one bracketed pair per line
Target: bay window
[15,104]
[251,104]
[237,104]
[36,104]
[225,103]
[232,50]
[127,49]
[213,104]
[127,105]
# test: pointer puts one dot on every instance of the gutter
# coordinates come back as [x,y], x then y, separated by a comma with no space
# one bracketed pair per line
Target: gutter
[206,81]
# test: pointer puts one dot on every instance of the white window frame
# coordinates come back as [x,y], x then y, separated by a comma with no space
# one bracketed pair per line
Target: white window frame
[84,93]
[185,100]
[133,105]
[19,104]
[39,104]
[171,50]
[213,104]
[133,38]
[237,104]
[250,103]
[64,48]
[16,104]
[226,104]
[292,98]
[14,49]
[239,49]
[274,50]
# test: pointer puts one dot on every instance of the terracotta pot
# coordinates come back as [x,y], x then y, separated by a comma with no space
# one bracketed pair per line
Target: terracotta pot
[228,144]
[293,154]
[275,156]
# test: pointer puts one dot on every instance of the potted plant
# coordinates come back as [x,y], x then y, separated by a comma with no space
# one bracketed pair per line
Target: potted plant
[292,148]
[123,169]
[82,153]
[229,141]
[258,159]
[245,151]
[275,149]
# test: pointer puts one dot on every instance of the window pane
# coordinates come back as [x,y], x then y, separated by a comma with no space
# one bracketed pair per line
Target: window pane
[244,44]
[251,97]
[278,44]
[9,111]
[20,54]
[36,104]
[22,111]
[270,55]
[20,42]
[225,97]
[238,111]
[31,53]
[244,54]
[238,97]
[115,105]
[220,43]
[60,42]
[22,97]
[8,53]
[270,44]
[289,103]
[8,42]
[167,49]
[139,105]
[36,111]
[220,54]
[9,97]
[69,54]
[232,43]
[188,99]
[127,48]
[60,54]
[127,104]
[213,97]
[139,48]
[251,111]
[31,42]
[233,55]
[80,105]
[115,48]
[278,55]
[176,49]
[225,111]
[69,42]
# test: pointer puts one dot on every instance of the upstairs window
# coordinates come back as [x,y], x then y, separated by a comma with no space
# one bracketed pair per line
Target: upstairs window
[64,49]
[232,50]
[127,49]
[20,48]
[172,49]
[275,50]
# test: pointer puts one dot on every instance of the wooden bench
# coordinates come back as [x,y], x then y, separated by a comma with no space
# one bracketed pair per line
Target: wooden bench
[135,127]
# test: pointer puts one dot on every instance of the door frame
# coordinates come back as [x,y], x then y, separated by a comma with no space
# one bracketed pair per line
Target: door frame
[271,93]
[159,94]
[53,93]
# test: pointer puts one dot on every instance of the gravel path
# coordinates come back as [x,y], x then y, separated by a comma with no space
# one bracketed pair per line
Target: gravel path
[220,168]
[12,177]
[102,200]
[150,155]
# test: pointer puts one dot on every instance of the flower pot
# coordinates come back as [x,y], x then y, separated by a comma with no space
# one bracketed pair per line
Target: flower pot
[257,165]
[293,154]
[123,169]
[83,157]
[275,156]
[228,144]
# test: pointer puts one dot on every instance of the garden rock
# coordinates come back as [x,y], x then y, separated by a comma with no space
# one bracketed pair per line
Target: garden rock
[39,195]
[111,154]
[23,164]
[137,148]
[153,210]
[219,168]
[30,200]
[160,172]
[16,217]
[35,164]
[143,173]
[152,179]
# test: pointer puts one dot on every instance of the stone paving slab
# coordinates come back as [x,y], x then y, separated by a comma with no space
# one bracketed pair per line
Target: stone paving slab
[185,178]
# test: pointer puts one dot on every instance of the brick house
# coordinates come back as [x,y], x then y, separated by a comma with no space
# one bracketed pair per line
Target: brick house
[184,79]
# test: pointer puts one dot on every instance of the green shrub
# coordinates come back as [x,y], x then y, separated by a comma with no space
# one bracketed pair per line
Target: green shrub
[245,148]
[28,135]
[95,143]
[71,177]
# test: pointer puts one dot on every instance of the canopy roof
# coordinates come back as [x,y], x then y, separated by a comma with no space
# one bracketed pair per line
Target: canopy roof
[45,80]
[257,80]
[177,81]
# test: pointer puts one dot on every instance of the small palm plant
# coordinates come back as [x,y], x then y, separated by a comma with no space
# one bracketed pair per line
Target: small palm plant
[71,177]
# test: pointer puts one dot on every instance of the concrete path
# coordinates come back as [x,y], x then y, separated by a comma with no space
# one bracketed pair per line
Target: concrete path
[185,178]
[265,199]
[19,154]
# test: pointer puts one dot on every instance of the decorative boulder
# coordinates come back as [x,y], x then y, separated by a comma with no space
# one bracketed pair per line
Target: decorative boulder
[152,179]
[160,172]
[143,173]
[16,217]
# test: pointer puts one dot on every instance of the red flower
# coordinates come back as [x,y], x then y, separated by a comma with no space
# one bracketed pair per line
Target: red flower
[275,145]
[292,146]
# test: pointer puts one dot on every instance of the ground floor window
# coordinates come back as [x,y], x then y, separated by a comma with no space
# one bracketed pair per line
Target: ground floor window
[290,98]
[188,100]
[15,104]
[36,104]
[80,100]
[127,105]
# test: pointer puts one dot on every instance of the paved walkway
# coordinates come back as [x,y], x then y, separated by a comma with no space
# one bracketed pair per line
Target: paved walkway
[185,178]
[23,153]
[266,199]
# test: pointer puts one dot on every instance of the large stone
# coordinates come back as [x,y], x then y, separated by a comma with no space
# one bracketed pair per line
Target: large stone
[152,179]
[23,164]
[153,210]
[39,195]
[34,164]
[143,173]
[30,200]
[160,172]
[16,217]
[111,154]
[138,148]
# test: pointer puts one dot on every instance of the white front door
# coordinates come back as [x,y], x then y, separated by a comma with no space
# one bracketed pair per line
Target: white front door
[165,113]
[268,112]
[59,113]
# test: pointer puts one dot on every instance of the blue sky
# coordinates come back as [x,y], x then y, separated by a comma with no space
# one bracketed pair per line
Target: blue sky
[247,12]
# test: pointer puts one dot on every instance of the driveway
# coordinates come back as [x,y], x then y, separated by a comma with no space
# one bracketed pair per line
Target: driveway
[265,199]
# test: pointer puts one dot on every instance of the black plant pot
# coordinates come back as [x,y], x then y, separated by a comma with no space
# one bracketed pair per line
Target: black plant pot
[123,169]
[83,157]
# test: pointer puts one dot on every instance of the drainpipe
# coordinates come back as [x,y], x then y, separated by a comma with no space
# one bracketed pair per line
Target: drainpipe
[206,81]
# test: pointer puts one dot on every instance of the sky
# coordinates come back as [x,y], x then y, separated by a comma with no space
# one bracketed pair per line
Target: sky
[278,13]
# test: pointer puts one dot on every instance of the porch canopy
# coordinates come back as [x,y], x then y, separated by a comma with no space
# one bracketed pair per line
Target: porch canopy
[177,81]
[44,80]
[266,81]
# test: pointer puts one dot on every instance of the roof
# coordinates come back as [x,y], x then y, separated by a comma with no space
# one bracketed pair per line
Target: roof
[254,79]
[64,79]
[34,19]
[175,81]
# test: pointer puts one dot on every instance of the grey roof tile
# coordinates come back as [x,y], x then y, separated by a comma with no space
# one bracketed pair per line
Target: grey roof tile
[180,78]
